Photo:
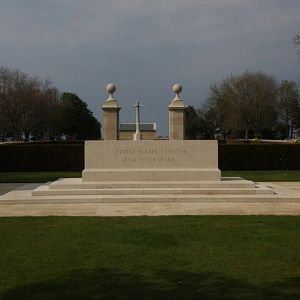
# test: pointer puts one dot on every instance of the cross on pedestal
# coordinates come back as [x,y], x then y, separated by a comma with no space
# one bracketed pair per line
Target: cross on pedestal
[137,135]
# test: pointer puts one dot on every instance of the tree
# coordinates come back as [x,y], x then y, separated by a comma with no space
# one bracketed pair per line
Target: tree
[49,113]
[18,94]
[245,102]
[209,122]
[5,128]
[288,106]
[200,123]
[78,120]
[28,105]
[32,108]
[296,40]
[220,109]
[192,123]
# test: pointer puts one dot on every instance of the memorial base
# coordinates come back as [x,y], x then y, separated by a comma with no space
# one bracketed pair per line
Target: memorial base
[151,172]
[150,175]
[151,161]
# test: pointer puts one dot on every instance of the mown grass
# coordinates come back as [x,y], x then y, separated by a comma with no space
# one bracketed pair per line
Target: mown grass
[150,258]
[32,177]
[263,175]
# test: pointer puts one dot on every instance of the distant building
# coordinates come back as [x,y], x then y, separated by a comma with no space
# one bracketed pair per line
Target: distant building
[148,131]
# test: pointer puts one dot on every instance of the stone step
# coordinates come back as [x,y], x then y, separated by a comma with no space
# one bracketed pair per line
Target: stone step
[73,199]
[76,183]
[45,191]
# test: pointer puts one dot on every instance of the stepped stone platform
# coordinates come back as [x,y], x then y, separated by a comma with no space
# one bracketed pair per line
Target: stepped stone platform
[264,199]
[77,190]
[74,190]
[133,178]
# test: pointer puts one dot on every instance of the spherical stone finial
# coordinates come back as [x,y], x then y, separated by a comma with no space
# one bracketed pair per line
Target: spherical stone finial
[177,88]
[111,88]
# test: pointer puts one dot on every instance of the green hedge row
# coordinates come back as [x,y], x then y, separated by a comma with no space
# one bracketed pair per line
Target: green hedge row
[70,157]
[259,157]
[41,157]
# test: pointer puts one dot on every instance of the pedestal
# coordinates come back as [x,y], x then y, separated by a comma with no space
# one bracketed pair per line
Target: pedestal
[151,161]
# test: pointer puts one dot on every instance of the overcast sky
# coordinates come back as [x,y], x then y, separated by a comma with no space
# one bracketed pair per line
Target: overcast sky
[144,46]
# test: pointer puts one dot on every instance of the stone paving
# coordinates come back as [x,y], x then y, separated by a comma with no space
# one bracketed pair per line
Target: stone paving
[7,187]
[148,209]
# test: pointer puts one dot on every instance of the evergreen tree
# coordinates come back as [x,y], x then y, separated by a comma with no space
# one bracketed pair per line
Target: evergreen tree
[78,121]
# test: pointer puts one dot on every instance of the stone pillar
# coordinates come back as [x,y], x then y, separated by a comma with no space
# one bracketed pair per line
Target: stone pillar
[177,116]
[111,115]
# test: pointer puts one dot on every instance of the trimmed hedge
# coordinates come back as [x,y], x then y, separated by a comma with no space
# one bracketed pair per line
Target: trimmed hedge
[39,157]
[259,157]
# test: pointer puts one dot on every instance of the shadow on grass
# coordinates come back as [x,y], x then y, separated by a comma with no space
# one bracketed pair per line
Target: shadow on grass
[113,284]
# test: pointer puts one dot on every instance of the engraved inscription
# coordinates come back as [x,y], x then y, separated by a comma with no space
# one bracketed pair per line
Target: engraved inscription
[149,155]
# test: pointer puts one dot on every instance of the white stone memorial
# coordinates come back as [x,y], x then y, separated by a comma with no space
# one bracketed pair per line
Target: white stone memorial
[153,171]
[158,160]
[148,171]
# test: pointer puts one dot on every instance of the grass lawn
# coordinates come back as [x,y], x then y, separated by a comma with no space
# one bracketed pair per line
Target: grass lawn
[31,177]
[261,175]
[150,258]
[285,175]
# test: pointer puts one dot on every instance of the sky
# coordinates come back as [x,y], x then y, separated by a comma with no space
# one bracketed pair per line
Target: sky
[145,46]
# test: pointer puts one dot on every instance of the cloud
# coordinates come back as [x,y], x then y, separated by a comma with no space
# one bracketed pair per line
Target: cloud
[145,46]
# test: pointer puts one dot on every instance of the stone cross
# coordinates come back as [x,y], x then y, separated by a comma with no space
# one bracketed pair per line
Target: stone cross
[137,135]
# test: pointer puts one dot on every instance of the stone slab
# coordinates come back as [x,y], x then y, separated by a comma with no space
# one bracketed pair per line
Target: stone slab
[7,187]
[77,183]
[156,160]
[45,191]
[165,190]
[43,195]
[149,209]
[285,201]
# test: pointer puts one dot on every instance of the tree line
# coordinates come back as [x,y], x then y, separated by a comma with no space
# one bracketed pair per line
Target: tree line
[33,108]
[240,106]
[250,105]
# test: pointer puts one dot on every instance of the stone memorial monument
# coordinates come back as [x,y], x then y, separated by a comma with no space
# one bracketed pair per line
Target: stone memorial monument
[134,172]
[175,159]
[137,170]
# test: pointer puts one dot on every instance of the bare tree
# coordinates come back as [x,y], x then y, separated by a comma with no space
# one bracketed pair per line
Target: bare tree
[245,102]
[288,106]
[4,128]
[48,112]
[30,98]
[222,103]
[296,40]
[10,90]
[28,104]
